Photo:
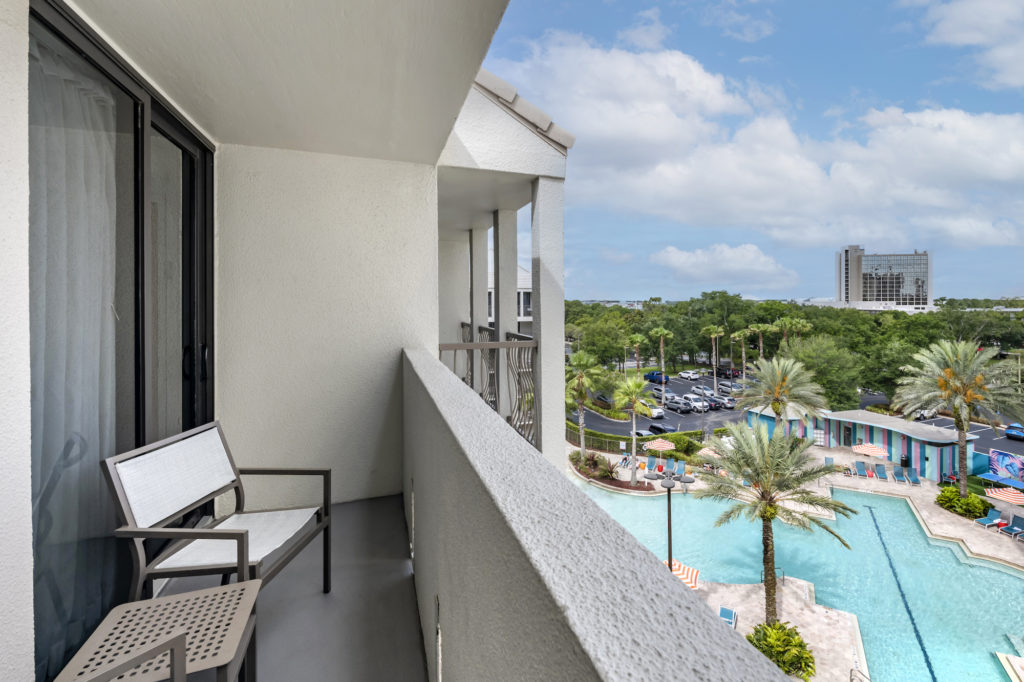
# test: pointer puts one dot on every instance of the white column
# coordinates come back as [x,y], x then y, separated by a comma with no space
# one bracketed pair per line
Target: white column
[506,307]
[478,257]
[549,317]
[453,286]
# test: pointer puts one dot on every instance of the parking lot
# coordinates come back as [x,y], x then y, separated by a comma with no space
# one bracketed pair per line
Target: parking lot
[987,436]
[694,421]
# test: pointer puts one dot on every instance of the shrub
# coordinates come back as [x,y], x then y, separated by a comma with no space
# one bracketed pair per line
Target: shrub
[784,646]
[881,408]
[971,507]
[575,458]
[610,413]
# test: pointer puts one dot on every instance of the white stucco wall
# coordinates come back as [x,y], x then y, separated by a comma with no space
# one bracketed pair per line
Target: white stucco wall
[16,649]
[528,571]
[453,293]
[325,270]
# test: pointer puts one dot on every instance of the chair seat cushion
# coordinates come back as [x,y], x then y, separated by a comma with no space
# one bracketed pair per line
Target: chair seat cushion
[268,531]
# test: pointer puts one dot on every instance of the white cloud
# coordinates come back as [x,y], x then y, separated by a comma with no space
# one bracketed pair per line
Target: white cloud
[647,33]
[659,134]
[744,27]
[744,266]
[994,28]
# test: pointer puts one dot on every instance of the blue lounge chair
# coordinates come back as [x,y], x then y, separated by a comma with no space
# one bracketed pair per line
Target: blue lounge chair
[670,467]
[880,472]
[991,520]
[1015,527]
[728,615]
[912,476]
[861,471]
[897,473]
[652,463]
[829,462]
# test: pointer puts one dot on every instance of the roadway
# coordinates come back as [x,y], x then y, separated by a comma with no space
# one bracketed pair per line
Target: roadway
[987,436]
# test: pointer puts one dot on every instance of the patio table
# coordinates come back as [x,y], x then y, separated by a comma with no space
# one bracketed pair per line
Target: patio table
[216,625]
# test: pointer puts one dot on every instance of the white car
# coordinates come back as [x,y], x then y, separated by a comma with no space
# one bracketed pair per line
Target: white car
[697,403]
[656,412]
[689,374]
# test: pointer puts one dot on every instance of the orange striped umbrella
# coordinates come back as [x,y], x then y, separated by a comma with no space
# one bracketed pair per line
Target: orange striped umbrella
[870,450]
[707,452]
[1006,494]
[685,573]
[659,444]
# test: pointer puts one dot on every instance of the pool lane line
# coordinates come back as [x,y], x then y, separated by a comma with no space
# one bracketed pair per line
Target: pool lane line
[903,596]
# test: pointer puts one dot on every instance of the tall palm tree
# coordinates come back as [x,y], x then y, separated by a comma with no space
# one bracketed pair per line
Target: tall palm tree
[635,340]
[630,396]
[777,469]
[742,335]
[581,374]
[783,383]
[959,377]
[801,327]
[661,334]
[761,328]
[714,331]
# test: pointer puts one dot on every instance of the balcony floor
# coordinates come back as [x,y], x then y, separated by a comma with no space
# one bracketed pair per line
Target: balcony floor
[367,628]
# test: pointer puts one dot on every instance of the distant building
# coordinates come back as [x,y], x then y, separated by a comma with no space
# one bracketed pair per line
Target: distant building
[884,281]
[524,300]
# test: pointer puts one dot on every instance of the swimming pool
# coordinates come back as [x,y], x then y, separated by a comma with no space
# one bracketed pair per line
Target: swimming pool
[926,611]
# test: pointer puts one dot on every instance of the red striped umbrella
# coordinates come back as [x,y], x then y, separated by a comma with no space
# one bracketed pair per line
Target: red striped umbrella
[659,444]
[707,452]
[685,573]
[1006,494]
[870,450]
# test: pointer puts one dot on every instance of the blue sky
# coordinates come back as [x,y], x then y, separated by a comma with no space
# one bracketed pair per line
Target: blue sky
[738,144]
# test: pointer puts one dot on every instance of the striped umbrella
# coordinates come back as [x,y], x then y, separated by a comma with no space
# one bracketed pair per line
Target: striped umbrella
[685,573]
[870,450]
[659,444]
[1006,495]
[707,452]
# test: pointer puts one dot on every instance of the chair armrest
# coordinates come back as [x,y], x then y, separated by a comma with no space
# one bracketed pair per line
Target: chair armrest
[295,471]
[174,643]
[239,535]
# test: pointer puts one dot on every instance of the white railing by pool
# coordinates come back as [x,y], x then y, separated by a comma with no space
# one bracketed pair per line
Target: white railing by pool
[526,577]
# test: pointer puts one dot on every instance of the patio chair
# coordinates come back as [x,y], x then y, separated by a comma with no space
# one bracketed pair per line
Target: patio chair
[897,473]
[830,462]
[728,615]
[912,476]
[670,467]
[1015,528]
[155,486]
[992,519]
[861,471]
[880,472]
[652,462]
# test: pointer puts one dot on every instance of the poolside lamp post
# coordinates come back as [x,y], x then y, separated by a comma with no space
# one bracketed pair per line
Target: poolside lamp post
[668,484]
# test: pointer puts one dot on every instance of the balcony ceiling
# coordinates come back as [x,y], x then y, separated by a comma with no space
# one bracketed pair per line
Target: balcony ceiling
[467,198]
[379,79]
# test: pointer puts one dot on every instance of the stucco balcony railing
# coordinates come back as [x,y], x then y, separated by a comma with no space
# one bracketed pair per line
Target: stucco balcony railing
[479,364]
[519,575]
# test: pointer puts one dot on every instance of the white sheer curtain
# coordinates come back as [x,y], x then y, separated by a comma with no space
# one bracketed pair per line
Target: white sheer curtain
[73,138]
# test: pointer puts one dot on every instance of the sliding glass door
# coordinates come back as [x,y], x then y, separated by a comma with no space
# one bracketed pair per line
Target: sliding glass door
[120,311]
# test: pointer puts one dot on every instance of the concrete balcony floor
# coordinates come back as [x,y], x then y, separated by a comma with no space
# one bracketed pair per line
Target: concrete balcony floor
[367,628]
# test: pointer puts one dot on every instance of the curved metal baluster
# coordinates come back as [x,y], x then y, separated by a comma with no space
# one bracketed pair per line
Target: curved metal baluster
[520,370]
[489,389]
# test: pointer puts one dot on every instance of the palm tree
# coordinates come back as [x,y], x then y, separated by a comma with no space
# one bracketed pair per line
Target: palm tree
[630,396]
[777,469]
[742,336]
[959,377]
[801,327]
[581,373]
[783,383]
[761,329]
[661,334]
[635,340]
[713,331]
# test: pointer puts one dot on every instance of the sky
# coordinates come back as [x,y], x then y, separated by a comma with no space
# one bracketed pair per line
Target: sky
[738,144]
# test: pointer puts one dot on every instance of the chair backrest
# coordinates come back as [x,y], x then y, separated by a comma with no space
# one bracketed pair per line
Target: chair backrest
[829,461]
[164,480]
[651,462]
[1018,521]
[670,465]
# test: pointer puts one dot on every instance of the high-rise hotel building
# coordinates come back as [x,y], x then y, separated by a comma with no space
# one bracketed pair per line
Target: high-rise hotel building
[884,281]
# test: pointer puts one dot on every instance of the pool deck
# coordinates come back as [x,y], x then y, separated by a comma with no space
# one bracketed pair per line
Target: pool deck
[938,523]
[833,635]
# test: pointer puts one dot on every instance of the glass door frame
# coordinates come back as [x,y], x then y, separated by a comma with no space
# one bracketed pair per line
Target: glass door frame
[153,111]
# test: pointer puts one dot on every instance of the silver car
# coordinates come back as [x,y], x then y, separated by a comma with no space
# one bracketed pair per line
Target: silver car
[697,403]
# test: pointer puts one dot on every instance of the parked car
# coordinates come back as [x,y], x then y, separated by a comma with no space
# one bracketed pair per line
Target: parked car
[655,377]
[689,375]
[656,391]
[725,387]
[640,433]
[729,402]
[1014,431]
[603,401]
[697,403]
[662,428]
[679,405]
[714,401]
[656,412]
[924,414]
[703,390]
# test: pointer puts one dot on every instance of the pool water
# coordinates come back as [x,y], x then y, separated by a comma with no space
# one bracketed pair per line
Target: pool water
[926,611]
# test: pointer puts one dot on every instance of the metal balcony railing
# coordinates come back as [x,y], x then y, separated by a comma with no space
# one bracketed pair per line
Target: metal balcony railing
[520,354]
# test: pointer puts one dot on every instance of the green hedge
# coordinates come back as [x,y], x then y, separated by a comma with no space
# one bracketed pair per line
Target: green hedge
[971,507]
[784,646]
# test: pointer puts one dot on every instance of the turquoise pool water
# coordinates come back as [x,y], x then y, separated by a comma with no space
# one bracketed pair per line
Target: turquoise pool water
[926,611]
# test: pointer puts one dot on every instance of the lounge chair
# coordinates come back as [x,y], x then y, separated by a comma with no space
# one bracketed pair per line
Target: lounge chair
[897,473]
[652,463]
[912,476]
[830,462]
[861,471]
[728,615]
[992,519]
[1014,528]
[670,467]
[880,472]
